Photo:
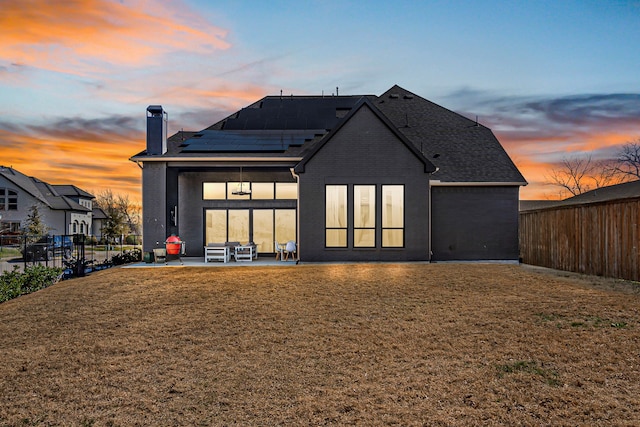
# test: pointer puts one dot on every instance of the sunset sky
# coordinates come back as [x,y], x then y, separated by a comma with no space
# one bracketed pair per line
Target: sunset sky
[552,79]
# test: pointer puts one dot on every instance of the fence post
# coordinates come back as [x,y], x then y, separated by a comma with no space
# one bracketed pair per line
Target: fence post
[78,241]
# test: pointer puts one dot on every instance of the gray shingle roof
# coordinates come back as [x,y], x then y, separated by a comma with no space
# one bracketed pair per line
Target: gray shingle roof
[462,150]
[43,191]
[627,190]
[23,181]
[72,191]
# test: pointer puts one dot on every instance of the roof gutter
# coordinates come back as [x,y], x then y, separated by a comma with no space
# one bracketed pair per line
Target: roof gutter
[143,159]
[438,183]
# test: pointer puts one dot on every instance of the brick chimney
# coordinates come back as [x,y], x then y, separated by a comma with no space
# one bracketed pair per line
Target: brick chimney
[157,120]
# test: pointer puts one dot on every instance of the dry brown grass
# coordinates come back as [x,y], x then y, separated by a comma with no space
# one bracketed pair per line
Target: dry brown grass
[359,344]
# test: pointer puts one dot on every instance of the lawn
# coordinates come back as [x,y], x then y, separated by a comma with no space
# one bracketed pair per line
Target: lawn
[357,344]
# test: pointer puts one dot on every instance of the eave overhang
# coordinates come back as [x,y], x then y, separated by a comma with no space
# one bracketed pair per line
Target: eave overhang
[144,159]
[437,183]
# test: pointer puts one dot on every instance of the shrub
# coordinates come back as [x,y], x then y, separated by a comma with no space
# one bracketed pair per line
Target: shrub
[127,257]
[132,239]
[15,283]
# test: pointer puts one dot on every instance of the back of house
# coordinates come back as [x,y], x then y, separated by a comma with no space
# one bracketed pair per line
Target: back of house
[393,177]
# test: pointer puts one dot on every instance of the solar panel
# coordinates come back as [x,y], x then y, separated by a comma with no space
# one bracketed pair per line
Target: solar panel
[247,141]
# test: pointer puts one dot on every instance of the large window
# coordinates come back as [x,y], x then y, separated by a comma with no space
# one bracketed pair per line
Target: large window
[336,216]
[285,228]
[286,190]
[364,216]
[216,226]
[392,216]
[238,225]
[238,190]
[214,191]
[249,190]
[8,200]
[262,190]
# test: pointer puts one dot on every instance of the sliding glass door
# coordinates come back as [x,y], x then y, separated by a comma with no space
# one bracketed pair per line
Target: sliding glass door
[263,229]
[238,225]
[262,226]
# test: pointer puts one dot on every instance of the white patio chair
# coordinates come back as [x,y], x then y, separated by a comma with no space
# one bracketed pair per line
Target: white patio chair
[279,251]
[290,249]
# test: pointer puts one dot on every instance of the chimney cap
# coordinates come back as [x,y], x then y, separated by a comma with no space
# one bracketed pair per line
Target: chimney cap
[155,109]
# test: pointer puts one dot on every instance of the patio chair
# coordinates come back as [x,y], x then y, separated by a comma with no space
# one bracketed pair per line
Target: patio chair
[290,249]
[279,252]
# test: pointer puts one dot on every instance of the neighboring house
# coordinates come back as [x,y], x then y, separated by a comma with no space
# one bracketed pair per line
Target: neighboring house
[65,209]
[626,190]
[98,217]
[393,177]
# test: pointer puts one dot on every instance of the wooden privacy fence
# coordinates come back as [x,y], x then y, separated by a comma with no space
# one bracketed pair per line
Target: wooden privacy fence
[597,238]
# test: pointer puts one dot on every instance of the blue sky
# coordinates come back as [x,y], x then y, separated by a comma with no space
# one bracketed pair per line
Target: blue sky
[551,78]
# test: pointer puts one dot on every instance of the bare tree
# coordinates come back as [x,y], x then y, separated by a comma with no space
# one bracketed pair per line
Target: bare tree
[628,160]
[605,173]
[130,211]
[577,175]
[572,174]
[123,217]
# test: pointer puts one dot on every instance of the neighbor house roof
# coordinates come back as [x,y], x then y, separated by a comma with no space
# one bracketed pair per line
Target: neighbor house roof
[98,213]
[613,192]
[22,181]
[292,127]
[72,191]
[625,190]
[46,193]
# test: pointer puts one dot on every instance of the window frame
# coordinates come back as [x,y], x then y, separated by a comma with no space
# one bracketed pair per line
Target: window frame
[357,205]
[390,228]
[330,228]
[8,199]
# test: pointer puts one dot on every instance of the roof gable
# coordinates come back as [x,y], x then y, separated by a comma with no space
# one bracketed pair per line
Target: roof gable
[428,166]
[46,193]
[23,182]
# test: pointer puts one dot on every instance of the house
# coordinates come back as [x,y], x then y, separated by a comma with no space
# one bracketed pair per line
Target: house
[626,190]
[393,177]
[98,219]
[65,209]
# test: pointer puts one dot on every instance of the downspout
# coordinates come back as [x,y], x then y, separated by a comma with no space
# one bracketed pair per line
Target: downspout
[431,217]
[297,177]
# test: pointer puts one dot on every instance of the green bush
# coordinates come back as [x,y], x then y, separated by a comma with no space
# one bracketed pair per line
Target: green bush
[127,257]
[132,239]
[15,283]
